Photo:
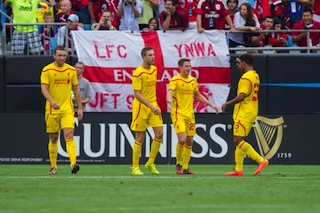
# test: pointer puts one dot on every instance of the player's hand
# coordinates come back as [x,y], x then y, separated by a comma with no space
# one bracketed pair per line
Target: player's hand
[156,110]
[169,104]
[223,107]
[80,114]
[214,108]
[54,105]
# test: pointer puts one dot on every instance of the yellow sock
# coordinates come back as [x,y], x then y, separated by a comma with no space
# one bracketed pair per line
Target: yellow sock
[186,156]
[155,146]
[136,152]
[179,150]
[250,152]
[53,153]
[71,149]
[239,158]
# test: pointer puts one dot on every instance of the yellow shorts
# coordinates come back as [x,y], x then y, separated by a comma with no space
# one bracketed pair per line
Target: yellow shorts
[143,117]
[184,125]
[242,128]
[56,122]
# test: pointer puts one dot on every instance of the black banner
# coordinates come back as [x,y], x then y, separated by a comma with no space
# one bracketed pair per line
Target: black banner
[106,138]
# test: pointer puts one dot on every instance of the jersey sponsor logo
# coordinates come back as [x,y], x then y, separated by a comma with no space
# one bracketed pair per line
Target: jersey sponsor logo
[61,81]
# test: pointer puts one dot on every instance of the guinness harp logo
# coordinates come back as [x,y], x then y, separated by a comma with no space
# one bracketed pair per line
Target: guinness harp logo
[269,133]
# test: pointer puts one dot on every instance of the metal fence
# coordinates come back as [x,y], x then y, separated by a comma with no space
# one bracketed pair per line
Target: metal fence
[5,44]
[293,48]
[51,41]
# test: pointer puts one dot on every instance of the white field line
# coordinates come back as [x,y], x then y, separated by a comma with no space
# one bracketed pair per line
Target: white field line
[146,177]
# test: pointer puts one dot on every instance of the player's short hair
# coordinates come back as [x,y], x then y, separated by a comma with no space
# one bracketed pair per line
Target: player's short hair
[145,50]
[182,60]
[59,47]
[247,58]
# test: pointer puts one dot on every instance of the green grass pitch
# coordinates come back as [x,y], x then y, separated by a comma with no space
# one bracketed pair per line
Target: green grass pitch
[112,188]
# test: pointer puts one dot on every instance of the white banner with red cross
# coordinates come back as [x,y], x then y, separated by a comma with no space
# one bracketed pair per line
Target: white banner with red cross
[111,56]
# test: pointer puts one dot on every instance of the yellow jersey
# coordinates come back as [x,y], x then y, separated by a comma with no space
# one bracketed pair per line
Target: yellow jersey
[247,110]
[60,81]
[145,80]
[183,95]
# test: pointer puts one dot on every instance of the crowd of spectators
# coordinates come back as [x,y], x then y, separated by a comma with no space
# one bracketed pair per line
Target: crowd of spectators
[245,20]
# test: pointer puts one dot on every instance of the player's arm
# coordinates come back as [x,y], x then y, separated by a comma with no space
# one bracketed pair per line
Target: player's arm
[46,94]
[234,101]
[77,95]
[169,98]
[202,99]
[139,96]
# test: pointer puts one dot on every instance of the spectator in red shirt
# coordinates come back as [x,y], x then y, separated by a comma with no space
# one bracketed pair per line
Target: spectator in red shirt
[173,19]
[277,10]
[307,24]
[188,7]
[261,8]
[293,10]
[232,8]
[278,39]
[66,10]
[105,22]
[96,7]
[262,39]
[76,4]
[210,15]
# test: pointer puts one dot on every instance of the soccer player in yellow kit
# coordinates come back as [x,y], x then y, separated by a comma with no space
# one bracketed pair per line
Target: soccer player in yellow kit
[145,111]
[57,80]
[182,89]
[244,114]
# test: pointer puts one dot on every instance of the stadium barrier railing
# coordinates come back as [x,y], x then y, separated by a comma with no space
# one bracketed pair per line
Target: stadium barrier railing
[292,48]
[10,27]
